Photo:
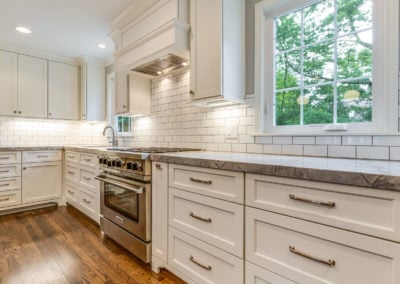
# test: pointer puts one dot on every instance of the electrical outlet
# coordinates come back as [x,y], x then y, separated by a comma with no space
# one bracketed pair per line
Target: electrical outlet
[233,133]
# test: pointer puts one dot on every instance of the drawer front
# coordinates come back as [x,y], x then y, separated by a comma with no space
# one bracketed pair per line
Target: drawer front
[88,202]
[214,221]
[202,262]
[10,158]
[258,275]
[369,211]
[309,253]
[10,183]
[87,179]
[89,160]
[10,198]
[72,157]
[220,184]
[10,171]
[41,156]
[71,173]
[71,193]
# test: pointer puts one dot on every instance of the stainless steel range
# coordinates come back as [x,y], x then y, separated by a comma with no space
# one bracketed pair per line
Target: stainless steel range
[125,179]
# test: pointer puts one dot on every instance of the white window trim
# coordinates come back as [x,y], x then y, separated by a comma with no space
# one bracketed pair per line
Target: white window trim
[386,68]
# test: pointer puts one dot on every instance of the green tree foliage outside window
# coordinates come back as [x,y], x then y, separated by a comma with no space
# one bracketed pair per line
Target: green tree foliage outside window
[124,123]
[323,64]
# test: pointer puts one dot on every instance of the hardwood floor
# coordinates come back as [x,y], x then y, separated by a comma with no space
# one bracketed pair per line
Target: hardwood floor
[61,245]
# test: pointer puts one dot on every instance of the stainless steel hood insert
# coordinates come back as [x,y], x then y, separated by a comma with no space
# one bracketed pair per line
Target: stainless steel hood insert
[163,65]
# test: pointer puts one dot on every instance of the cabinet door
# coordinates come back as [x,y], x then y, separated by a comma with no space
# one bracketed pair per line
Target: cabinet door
[121,95]
[160,210]
[32,86]
[206,47]
[63,91]
[8,83]
[41,181]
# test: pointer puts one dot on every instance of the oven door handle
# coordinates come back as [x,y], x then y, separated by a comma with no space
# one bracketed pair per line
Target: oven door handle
[138,190]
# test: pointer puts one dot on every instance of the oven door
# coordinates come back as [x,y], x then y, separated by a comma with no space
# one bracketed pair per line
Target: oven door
[126,203]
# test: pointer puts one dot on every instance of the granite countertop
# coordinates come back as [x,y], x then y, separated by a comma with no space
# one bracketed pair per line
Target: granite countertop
[30,148]
[366,173]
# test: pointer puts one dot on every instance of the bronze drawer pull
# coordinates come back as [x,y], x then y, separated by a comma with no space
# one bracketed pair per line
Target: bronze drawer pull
[86,201]
[4,199]
[87,178]
[158,166]
[4,158]
[201,181]
[7,171]
[42,156]
[71,173]
[71,192]
[315,202]
[5,184]
[87,160]
[207,220]
[71,157]
[329,262]
[206,267]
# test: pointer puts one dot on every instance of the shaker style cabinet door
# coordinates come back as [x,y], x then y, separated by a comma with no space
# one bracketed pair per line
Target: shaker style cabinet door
[32,87]
[63,91]
[122,93]
[8,83]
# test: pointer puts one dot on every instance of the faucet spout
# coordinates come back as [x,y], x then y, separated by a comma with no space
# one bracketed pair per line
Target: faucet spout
[114,140]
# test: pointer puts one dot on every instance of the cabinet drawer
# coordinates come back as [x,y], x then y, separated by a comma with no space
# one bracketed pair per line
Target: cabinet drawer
[214,221]
[10,171]
[71,173]
[10,158]
[89,160]
[72,157]
[41,156]
[10,183]
[202,262]
[309,253]
[87,179]
[369,211]
[10,198]
[220,184]
[258,275]
[88,203]
[71,193]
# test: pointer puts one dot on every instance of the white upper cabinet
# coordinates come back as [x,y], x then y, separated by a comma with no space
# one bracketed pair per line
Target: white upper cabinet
[122,93]
[32,86]
[8,83]
[63,91]
[217,50]
[93,91]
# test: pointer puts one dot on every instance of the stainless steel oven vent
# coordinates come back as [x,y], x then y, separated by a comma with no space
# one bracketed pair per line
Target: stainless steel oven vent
[163,65]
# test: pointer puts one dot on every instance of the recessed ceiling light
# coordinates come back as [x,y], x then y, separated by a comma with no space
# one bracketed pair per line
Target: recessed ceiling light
[23,30]
[102,45]
[184,63]
[159,72]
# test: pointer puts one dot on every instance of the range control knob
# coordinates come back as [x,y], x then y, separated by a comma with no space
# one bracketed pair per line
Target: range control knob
[101,160]
[135,166]
[105,160]
[109,163]
[129,165]
[118,163]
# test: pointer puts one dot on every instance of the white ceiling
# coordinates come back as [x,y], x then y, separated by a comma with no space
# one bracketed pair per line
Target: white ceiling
[65,27]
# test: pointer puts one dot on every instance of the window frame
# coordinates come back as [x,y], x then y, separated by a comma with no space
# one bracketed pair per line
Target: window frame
[123,133]
[385,68]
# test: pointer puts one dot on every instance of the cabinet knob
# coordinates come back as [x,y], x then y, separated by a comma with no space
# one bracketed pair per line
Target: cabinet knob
[50,113]
[20,112]
[192,92]
[124,106]
[15,111]
[24,168]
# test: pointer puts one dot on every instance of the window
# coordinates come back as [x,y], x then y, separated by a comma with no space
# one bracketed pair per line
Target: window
[123,124]
[326,63]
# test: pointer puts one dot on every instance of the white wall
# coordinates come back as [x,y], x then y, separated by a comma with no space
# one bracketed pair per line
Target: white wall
[176,123]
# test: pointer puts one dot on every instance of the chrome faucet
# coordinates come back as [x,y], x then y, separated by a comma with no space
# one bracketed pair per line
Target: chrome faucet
[114,140]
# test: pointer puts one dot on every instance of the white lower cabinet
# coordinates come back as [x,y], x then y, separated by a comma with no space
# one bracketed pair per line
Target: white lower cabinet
[10,198]
[311,253]
[201,262]
[71,194]
[258,275]
[41,181]
[88,203]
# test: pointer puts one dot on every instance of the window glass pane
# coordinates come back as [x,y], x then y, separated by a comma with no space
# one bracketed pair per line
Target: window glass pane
[319,63]
[124,124]
[319,22]
[355,55]
[288,31]
[319,109]
[287,110]
[287,70]
[355,101]
[353,15]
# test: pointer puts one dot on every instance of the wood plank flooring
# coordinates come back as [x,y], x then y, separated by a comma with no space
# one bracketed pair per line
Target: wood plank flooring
[61,245]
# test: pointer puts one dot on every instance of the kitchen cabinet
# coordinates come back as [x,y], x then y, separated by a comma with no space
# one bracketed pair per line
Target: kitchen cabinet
[10,179]
[32,87]
[63,91]
[122,93]
[41,176]
[8,83]
[93,91]
[217,67]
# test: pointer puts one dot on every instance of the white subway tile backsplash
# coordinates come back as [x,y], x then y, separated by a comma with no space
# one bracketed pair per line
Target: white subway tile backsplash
[328,140]
[304,140]
[282,140]
[395,153]
[255,148]
[386,140]
[373,153]
[357,140]
[315,150]
[342,151]
[273,149]
[294,150]
[263,139]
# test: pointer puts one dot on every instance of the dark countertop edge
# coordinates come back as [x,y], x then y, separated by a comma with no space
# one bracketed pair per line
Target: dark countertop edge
[373,181]
[30,148]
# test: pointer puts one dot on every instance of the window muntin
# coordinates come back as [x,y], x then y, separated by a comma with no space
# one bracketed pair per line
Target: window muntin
[124,124]
[323,64]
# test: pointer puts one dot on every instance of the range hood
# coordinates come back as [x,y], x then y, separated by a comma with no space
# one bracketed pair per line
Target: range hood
[152,38]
